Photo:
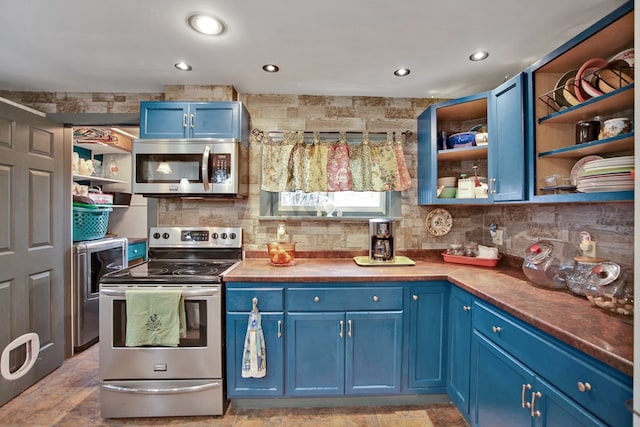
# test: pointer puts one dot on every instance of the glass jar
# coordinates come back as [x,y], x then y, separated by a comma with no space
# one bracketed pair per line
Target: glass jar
[548,264]
[609,287]
[471,249]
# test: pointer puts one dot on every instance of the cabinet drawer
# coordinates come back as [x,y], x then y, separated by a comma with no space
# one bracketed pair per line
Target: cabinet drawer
[137,250]
[344,299]
[269,299]
[566,368]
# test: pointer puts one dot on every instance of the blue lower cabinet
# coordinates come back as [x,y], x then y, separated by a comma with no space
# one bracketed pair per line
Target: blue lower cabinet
[501,386]
[459,350]
[272,384]
[315,354]
[352,353]
[521,376]
[269,300]
[428,307]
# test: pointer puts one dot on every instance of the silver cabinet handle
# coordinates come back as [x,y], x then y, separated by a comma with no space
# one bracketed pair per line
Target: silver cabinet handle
[350,331]
[582,387]
[375,298]
[341,329]
[496,329]
[525,387]
[415,297]
[492,181]
[535,395]
[279,328]
[316,299]
[466,308]
[192,121]
[184,120]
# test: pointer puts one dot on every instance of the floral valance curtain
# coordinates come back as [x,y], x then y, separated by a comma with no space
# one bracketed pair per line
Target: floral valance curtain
[291,164]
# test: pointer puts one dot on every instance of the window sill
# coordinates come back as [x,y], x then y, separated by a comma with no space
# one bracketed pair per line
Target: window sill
[321,218]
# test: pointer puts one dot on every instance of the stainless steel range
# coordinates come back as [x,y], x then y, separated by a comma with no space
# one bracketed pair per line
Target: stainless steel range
[166,380]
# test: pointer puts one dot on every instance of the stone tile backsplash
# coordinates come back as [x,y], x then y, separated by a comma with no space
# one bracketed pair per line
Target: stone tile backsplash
[610,224]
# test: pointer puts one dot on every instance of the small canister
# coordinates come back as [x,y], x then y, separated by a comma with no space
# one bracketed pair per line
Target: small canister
[587,131]
[615,127]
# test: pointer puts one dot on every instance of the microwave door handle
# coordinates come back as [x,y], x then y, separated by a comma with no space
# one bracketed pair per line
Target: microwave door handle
[205,167]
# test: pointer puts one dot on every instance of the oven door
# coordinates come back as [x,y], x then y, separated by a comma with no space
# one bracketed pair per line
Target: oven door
[185,166]
[198,356]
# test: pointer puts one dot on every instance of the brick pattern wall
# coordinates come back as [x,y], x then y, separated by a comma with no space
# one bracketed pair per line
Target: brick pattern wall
[611,224]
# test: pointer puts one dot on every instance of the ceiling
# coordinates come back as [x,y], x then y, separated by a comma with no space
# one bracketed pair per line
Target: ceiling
[325,47]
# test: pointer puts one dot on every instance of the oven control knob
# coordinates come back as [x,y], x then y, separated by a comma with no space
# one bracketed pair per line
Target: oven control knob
[233,236]
[224,236]
[214,236]
[165,235]
[156,235]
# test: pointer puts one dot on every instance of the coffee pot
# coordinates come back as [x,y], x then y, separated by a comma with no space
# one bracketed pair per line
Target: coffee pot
[381,240]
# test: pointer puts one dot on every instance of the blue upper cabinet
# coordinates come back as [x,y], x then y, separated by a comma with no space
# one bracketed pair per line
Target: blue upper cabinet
[506,146]
[498,160]
[554,110]
[225,119]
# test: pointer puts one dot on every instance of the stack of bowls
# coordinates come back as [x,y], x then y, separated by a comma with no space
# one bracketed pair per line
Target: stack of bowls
[447,187]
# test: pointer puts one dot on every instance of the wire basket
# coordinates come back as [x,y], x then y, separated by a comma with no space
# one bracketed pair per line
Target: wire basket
[90,223]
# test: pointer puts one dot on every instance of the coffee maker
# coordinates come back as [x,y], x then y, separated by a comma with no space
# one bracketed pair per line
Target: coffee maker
[381,243]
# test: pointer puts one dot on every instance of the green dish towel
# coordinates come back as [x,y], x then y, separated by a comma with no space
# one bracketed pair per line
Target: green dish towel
[154,318]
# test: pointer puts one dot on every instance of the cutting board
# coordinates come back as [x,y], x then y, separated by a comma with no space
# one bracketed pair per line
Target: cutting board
[398,261]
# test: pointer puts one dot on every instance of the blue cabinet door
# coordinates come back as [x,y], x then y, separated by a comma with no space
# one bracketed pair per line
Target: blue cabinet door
[459,354]
[273,383]
[214,120]
[506,147]
[500,386]
[427,156]
[373,352]
[552,408]
[427,338]
[315,354]
[164,119]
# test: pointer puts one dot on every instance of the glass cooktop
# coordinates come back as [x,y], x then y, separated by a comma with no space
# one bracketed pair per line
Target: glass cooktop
[174,271]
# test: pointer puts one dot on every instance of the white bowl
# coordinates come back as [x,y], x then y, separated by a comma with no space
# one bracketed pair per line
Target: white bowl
[447,181]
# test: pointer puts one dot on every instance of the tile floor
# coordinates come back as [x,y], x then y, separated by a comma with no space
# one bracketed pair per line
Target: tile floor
[70,397]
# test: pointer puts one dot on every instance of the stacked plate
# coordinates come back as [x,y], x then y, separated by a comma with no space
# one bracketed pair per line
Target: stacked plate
[613,174]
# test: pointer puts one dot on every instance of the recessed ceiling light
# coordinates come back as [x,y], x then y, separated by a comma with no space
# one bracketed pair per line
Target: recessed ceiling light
[401,72]
[206,24]
[183,66]
[480,55]
[270,68]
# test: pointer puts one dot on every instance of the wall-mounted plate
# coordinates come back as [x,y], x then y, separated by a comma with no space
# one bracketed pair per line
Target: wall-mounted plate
[439,222]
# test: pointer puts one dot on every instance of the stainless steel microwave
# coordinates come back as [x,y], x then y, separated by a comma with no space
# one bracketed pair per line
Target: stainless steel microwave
[190,167]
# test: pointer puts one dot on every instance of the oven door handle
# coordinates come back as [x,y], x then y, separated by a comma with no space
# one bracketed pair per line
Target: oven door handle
[185,294]
[170,390]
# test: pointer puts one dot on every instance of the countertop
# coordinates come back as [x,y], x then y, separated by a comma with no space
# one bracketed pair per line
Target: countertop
[570,318]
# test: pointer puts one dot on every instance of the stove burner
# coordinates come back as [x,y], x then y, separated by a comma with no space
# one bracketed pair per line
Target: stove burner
[195,270]
[157,271]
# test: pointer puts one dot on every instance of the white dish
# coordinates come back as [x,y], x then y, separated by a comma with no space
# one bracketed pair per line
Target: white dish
[575,170]
[600,188]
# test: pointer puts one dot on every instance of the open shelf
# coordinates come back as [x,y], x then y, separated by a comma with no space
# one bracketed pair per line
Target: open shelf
[459,154]
[601,146]
[97,179]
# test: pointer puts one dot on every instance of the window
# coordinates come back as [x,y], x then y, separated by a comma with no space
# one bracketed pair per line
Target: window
[358,204]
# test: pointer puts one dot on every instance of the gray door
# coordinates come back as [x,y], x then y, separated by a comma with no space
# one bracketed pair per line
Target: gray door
[33,236]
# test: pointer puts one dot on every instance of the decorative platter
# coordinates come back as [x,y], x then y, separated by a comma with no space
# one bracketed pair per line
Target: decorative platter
[439,222]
